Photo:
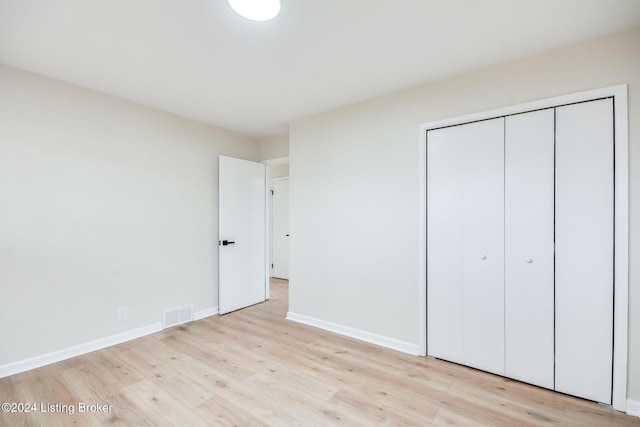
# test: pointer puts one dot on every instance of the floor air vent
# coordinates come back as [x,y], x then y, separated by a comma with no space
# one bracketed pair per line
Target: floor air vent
[177,316]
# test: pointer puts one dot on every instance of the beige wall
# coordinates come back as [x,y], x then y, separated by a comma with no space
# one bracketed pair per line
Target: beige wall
[274,147]
[279,171]
[354,180]
[103,204]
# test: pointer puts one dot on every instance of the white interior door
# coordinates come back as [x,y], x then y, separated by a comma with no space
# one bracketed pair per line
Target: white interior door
[584,249]
[280,230]
[242,231]
[465,244]
[529,249]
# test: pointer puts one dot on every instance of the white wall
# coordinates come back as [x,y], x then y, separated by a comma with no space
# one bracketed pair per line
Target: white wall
[354,187]
[103,204]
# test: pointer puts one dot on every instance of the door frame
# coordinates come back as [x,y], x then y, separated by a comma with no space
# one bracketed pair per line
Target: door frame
[621,217]
[269,163]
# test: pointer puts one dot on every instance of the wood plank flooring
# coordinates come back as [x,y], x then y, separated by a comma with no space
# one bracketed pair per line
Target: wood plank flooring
[254,368]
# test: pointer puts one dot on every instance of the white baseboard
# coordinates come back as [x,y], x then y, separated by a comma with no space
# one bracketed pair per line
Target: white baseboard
[394,344]
[76,350]
[633,407]
[211,311]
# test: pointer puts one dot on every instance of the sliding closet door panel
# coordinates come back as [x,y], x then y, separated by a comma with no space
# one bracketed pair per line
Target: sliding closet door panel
[445,244]
[465,250]
[483,222]
[529,216]
[584,249]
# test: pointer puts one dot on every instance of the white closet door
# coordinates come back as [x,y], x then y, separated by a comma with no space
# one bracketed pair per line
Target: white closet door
[465,244]
[584,249]
[445,243]
[529,216]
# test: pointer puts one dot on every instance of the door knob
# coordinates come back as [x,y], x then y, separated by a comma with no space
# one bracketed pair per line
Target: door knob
[528,260]
[483,257]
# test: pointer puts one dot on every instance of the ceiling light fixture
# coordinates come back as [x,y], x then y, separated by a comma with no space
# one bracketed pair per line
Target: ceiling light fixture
[256,10]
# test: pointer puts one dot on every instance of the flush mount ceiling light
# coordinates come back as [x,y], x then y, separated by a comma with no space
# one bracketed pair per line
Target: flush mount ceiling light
[256,10]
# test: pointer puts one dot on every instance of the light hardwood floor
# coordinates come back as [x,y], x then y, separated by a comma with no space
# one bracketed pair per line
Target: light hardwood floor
[253,368]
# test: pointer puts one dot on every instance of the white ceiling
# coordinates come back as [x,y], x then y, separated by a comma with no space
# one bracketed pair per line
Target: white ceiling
[198,59]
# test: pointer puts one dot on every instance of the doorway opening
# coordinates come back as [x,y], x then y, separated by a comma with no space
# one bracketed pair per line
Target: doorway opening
[277,226]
